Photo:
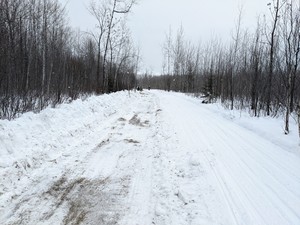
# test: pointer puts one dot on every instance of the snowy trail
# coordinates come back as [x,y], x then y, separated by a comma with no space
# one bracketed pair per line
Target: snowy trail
[253,179]
[145,158]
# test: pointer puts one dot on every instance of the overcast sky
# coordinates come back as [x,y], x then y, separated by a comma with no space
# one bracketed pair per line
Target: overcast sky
[150,21]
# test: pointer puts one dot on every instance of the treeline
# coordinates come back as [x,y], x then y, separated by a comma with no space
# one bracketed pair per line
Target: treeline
[258,71]
[44,62]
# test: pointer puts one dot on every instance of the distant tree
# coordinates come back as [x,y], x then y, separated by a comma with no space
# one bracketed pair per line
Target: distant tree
[299,118]
[291,40]
[116,7]
[233,56]
[271,38]
[179,59]
[100,12]
[256,67]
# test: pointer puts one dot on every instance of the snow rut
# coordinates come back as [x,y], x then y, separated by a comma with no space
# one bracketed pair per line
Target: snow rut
[84,201]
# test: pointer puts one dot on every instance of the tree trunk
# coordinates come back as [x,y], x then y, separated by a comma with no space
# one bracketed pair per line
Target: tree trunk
[44,49]
[271,57]
[105,78]
[231,89]
[254,91]
[288,109]
[98,68]
[299,118]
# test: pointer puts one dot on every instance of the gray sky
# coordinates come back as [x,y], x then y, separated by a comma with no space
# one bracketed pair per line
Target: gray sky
[150,21]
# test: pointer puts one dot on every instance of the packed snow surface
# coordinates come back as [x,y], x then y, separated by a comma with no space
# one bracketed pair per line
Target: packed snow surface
[143,158]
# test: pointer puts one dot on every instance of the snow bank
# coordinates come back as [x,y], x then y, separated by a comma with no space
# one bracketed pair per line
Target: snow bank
[36,135]
[269,128]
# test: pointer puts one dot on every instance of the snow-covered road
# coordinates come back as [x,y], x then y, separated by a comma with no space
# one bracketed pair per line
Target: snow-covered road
[140,159]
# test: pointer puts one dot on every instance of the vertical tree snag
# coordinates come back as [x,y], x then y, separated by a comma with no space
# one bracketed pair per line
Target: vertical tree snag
[255,67]
[291,41]
[234,56]
[299,118]
[118,7]
[100,12]
[275,19]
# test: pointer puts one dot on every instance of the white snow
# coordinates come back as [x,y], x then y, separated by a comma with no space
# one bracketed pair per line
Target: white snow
[148,157]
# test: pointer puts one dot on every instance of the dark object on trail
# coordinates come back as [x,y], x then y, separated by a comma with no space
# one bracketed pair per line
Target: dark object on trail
[139,88]
[149,88]
[207,98]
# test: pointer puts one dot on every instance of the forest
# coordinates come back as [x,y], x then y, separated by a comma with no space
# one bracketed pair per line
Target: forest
[45,62]
[257,71]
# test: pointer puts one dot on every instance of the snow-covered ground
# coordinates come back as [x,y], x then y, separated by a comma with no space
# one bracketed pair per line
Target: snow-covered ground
[148,158]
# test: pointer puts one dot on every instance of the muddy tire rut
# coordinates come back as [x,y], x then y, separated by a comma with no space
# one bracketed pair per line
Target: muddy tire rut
[88,201]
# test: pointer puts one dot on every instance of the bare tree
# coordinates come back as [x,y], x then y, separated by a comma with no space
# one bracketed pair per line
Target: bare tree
[167,51]
[117,7]
[291,40]
[233,57]
[101,13]
[179,59]
[256,67]
[299,118]
[271,38]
